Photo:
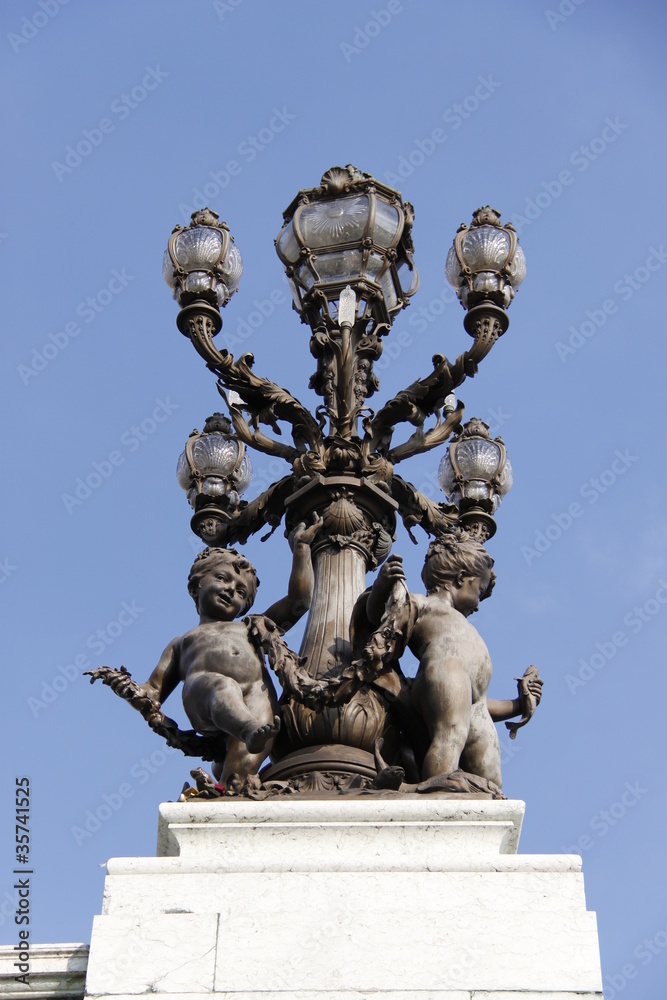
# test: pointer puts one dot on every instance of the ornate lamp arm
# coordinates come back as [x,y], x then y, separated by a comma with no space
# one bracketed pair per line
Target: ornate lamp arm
[487,325]
[412,404]
[422,441]
[267,508]
[426,396]
[269,402]
[415,508]
[265,400]
[253,436]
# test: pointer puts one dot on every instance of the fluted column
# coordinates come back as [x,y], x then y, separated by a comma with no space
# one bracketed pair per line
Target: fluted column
[340,577]
[358,524]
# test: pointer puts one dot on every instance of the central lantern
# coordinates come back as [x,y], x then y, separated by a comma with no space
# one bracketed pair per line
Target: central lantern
[351,230]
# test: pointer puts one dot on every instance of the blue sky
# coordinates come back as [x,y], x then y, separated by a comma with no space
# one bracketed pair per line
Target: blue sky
[552,114]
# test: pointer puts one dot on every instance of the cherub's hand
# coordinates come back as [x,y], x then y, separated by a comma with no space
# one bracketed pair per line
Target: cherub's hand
[530,690]
[530,693]
[148,692]
[393,568]
[390,573]
[120,681]
[535,688]
[304,534]
[531,684]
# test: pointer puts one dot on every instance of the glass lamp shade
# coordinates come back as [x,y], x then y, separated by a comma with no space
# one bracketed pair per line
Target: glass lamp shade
[486,261]
[214,463]
[202,261]
[475,467]
[352,230]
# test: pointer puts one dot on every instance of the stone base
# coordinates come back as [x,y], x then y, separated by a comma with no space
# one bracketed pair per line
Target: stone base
[416,899]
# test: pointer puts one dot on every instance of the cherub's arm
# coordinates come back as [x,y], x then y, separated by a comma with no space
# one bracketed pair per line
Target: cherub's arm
[506,709]
[530,693]
[166,675]
[390,572]
[288,610]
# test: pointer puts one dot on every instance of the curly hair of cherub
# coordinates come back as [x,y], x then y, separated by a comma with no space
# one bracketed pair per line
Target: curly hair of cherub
[208,559]
[452,553]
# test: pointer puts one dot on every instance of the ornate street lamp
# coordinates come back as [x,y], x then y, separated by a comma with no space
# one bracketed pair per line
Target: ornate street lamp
[485,265]
[203,266]
[475,474]
[214,469]
[202,261]
[348,255]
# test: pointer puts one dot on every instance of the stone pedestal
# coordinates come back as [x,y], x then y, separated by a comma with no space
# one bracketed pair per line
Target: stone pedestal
[413,898]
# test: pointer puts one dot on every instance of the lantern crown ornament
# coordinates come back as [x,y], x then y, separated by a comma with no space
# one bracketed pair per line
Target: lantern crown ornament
[351,231]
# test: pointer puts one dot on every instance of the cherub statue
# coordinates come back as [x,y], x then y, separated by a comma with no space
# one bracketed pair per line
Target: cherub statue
[226,685]
[449,690]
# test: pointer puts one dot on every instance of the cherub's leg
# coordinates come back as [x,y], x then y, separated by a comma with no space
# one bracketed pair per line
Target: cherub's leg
[482,751]
[446,703]
[262,704]
[239,761]
[217,702]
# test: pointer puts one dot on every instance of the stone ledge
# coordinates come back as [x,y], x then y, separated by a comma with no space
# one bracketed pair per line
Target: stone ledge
[361,834]
[348,995]
[519,863]
[376,995]
[56,971]
[139,896]
[548,995]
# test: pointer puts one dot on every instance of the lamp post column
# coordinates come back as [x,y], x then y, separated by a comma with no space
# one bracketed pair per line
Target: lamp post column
[357,534]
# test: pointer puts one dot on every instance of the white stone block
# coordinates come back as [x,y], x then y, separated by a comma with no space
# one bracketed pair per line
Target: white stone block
[168,953]
[555,893]
[541,995]
[403,939]
[361,834]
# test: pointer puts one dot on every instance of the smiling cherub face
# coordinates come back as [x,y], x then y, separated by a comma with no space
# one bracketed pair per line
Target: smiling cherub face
[222,584]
